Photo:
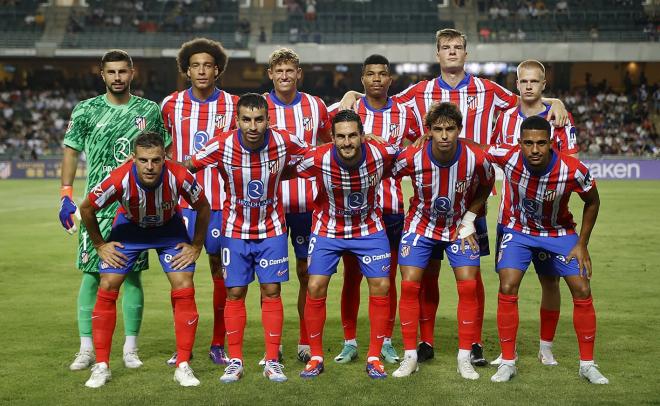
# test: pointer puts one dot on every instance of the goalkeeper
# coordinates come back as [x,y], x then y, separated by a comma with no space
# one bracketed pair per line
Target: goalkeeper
[104,128]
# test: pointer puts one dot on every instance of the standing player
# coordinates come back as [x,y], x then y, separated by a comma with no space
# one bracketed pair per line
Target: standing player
[539,228]
[251,160]
[347,172]
[192,117]
[147,188]
[392,122]
[451,182]
[306,117]
[479,100]
[104,128]
[531,83]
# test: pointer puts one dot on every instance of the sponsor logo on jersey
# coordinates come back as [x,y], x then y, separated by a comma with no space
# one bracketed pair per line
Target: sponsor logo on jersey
[122,149]
[307,123]
[200,139]
[472,102]
[151,220]
[220,121]
[141,122]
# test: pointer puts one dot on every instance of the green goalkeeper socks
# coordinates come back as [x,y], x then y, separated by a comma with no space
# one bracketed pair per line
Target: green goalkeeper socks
[132,303]
[86,299]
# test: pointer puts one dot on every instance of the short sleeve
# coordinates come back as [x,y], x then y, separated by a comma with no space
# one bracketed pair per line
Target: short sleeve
[77,129]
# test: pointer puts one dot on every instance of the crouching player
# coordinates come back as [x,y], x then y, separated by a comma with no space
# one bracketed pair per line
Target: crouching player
[147,189]
[539,228]
[348,220]
[451,182]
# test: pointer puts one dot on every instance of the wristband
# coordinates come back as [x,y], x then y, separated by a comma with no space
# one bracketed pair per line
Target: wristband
[67,190]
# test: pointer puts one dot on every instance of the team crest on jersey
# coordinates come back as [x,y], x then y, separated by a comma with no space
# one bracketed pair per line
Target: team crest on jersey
[220,121]
[372,180]
[141,122]
[307,123]
[168,205]
[472,102]
[393,128]
[273,166]
[405,250]
[461,186]
[549,195]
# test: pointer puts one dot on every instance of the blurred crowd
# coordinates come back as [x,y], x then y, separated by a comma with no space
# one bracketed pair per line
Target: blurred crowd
[32,123]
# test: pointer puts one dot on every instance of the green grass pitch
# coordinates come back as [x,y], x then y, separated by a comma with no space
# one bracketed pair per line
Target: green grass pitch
[39,336]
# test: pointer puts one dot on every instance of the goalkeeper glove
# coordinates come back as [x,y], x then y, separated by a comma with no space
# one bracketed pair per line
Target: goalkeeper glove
[68,209]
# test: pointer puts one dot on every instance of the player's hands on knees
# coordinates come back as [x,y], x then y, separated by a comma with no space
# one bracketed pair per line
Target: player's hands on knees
[109,254]
[187,256]
[581,254]
[68,210]
[558,114]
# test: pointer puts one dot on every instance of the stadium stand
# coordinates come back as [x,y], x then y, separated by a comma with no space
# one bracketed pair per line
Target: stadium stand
[21,23]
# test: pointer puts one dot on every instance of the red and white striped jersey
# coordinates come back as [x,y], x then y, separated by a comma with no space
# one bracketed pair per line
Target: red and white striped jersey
[252,209]
[192,123]
[346,204]
[507,131]
[478,99]
[538,204]
[306,117]
[144,206]
[393,123]
[441,193]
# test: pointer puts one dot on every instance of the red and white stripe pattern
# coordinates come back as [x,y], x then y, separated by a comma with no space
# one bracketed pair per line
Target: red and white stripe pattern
[346,206]
[442,194]
[393,123]
[538,204]
[252,209]
[192,123]
[478,99]
[147,207]
[507,131]
[305,117]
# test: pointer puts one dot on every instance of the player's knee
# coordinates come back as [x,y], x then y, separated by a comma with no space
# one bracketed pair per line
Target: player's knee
[508,288]
[316,288]
[109,285]
[379,286]
[582,292]
[270,290]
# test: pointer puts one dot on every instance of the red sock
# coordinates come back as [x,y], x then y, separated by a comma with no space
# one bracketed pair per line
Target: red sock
[315,321]
[186,320]
[393,270]
[467,313]
[549,320]
[350,296]
[584,321]
[378,315]
[104,317]
[235,319]
[429,296]
[272,315]
[303,338]
[219,299]
[409,313]
[481,303]
[507,324]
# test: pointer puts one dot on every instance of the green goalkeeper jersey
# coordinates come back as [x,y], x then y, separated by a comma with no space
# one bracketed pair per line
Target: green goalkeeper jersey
[105,133]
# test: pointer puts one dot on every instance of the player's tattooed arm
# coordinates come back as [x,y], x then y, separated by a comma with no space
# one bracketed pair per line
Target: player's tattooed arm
[589,214]
[190,252]
[107,251]
[348,102]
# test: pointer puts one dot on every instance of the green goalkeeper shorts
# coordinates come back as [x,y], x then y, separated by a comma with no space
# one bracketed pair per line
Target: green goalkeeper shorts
[88,260]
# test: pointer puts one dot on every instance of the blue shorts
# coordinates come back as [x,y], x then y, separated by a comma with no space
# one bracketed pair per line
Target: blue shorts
[136,240]
[393,228]
[416,250]
[212,241]
[373,253]
[241,259]
[516,250]
[300,227]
